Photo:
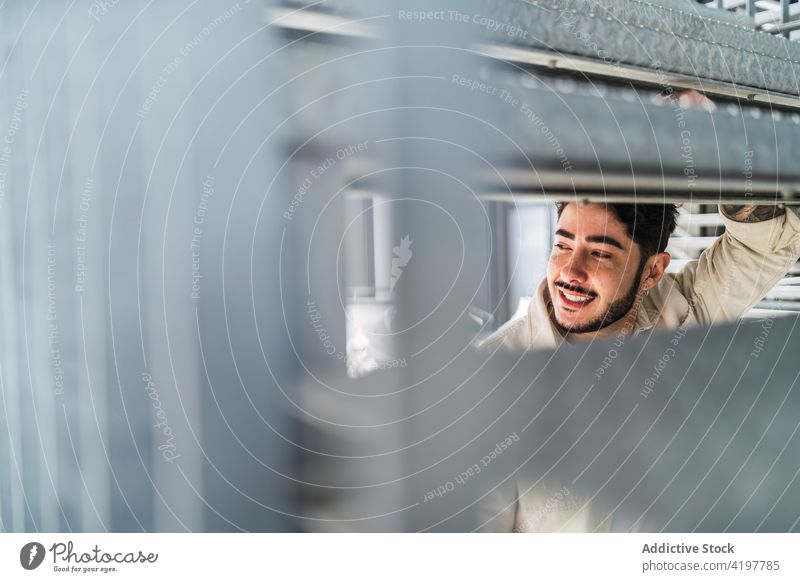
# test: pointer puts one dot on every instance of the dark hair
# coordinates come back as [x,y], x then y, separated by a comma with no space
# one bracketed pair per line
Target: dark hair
[649,225]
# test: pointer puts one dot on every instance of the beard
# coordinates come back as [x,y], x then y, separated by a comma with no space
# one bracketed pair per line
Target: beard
[616,311]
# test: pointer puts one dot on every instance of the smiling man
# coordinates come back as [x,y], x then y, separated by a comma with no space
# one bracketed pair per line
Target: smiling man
[599,268]
[607,277]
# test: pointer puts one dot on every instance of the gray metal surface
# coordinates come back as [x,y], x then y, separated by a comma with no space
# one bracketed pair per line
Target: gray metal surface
[670,36]
[129,399]
[548,131]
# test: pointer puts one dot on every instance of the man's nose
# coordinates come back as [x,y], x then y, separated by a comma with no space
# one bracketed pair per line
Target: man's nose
[574,270]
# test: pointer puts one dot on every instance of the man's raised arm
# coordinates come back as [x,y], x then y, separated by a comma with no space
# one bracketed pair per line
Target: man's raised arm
[759,245]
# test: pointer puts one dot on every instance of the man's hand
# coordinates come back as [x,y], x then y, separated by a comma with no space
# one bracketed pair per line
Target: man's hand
[751,212]
[690,99]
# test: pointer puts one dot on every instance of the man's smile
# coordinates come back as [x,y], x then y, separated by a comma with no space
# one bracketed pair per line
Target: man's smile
[573,299]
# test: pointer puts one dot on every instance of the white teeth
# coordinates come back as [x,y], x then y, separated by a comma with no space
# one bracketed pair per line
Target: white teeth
[576,298]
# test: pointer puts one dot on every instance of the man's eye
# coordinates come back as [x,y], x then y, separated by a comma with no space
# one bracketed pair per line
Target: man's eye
[561,247]
[601,255]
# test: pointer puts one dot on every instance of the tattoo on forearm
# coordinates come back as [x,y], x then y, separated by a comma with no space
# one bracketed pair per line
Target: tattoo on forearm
[751,212]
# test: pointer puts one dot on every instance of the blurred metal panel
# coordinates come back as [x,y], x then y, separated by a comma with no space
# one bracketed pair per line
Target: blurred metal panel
[684,430]
[135,393]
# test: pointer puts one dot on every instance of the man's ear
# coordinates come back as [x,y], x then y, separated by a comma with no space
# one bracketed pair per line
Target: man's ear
[655,269]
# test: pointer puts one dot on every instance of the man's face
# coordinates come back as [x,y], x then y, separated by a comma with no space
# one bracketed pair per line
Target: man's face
[594,271]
